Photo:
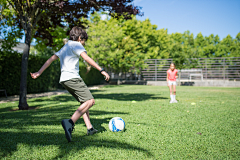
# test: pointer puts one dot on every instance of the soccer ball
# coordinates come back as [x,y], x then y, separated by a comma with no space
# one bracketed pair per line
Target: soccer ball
[116,124]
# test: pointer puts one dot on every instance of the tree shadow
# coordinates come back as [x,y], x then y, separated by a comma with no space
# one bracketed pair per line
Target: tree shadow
[127,96]
[53,115]
[112,86]
[8,146]
[60,98]
[22,120]
[100,95]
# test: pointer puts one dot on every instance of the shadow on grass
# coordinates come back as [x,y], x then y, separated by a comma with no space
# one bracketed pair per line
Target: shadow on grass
[127,96]
[112,86]
[52,115]
[20,120]
[55,99]
[50,111]
[96,95]
[10,140]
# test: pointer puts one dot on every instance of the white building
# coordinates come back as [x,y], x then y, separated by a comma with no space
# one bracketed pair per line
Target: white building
[19,47]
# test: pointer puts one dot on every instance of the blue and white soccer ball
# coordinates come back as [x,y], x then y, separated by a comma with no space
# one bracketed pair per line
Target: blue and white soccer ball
[116,124]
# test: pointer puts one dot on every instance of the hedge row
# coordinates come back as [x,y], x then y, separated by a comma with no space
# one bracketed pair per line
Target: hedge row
[10,72]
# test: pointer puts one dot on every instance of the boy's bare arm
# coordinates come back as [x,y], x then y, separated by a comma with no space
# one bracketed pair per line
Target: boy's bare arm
[94,64]
[45,66]
[176,75]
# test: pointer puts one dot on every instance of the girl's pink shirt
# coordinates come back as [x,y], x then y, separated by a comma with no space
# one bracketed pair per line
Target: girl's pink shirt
[172,74]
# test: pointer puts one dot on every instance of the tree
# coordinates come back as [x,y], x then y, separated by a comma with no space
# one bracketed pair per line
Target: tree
[8,31]
[224,48]
[40,18]
[104,39]
[123,45]
[235,49]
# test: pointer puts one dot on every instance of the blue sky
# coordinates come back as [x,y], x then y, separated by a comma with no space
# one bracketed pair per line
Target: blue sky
[218,17]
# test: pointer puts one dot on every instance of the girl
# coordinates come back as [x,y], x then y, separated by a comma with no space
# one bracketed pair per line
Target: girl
[171,81]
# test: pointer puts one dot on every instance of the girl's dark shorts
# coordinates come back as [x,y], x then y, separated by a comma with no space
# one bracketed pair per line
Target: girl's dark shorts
[78,89]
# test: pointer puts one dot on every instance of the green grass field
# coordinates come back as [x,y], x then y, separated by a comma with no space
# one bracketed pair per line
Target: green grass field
[155,129]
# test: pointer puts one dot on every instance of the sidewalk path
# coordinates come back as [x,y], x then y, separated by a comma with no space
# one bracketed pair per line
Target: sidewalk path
[44,94]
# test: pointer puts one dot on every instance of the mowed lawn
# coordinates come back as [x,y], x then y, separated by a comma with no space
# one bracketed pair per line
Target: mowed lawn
[205,124]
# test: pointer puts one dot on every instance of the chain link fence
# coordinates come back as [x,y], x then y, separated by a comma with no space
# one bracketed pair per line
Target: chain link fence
[227,68]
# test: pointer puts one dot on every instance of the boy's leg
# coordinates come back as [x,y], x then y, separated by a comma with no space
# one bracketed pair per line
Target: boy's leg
[87,121]
[83,108]
[79,90]
[68,124]
[80,112]
[90,129]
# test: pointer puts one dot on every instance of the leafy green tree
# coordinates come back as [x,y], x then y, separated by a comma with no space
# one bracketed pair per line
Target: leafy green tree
[123,45]
[42,46]
[8,31]
[104,38]
[235,48]
[40,18]
[176,49]
[224,48]
[142,41]
[199,44]
[211,46]
[135,44]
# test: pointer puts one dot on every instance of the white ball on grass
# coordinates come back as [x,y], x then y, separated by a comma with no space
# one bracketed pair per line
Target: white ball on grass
[116,124]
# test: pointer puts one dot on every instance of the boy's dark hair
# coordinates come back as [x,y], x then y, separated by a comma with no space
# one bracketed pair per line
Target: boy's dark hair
[77,32]
[173,64]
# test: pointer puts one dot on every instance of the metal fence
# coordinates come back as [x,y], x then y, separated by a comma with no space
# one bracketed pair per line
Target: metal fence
[123,76]
[156,70]
[204,69]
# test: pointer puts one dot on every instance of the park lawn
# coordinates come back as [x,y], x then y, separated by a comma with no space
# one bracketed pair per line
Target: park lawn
[203,125]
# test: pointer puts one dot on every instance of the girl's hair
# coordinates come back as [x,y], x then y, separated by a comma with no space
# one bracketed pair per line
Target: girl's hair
[77,32]
[173,64]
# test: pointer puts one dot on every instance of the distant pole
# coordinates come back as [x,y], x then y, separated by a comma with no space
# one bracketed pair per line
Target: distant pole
[224,68]
[206,68]
[155,70]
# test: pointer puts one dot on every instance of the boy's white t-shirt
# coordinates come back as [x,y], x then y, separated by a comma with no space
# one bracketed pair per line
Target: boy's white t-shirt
[69,60]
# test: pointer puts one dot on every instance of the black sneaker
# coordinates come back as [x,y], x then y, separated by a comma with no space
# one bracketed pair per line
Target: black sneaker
[91,131]
[68,128]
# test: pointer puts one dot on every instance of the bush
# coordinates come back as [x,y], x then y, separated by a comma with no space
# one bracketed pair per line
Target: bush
[10,64]
[10,73]
[92,77]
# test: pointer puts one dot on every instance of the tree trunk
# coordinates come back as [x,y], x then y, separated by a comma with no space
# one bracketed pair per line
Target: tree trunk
[24,66]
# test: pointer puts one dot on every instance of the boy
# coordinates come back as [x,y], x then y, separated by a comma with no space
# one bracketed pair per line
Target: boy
[69,61]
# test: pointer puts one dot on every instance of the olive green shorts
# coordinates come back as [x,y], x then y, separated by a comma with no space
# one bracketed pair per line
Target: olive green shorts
[78,89]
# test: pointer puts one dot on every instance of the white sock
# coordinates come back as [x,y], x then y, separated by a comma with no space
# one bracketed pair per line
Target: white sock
[174,97]
[171,96]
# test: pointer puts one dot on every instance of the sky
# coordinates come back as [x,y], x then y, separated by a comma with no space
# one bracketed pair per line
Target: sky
[218,17]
